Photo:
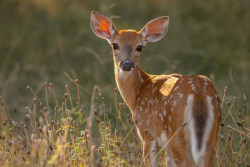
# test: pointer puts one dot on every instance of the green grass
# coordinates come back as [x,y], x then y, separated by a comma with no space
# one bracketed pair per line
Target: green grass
[68,134]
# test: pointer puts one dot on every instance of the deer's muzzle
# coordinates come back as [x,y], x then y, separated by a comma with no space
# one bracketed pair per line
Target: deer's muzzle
[126,65]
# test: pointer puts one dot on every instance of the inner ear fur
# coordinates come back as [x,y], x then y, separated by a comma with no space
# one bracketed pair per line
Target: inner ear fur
[102,26]
[155,29]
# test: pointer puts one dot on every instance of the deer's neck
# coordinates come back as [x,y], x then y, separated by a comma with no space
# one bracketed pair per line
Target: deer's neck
[130,83]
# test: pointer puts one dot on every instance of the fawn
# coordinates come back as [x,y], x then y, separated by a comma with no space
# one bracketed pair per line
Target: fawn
[185,109]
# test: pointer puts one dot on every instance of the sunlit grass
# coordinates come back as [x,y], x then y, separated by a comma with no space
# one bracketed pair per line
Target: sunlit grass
[59,131]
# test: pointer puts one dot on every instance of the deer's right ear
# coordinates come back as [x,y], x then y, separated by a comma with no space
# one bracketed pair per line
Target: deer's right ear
[102,26]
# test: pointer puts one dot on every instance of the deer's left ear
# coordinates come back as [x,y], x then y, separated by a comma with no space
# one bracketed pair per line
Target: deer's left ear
[102,26]
[155,29]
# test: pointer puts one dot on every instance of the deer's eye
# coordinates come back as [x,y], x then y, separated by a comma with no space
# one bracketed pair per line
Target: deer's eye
[139,48]
[115,46]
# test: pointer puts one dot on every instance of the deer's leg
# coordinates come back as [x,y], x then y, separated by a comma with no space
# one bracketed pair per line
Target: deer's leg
[207,160]
[179,147]
[150,152]
[169,159]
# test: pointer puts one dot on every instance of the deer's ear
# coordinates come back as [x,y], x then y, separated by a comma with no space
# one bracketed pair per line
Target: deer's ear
[101,25]
[155,29]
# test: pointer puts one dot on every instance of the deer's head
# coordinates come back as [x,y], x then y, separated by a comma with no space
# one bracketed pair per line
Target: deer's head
[127,45]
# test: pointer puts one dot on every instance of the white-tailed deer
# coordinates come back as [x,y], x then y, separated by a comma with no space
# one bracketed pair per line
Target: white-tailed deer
[184,108]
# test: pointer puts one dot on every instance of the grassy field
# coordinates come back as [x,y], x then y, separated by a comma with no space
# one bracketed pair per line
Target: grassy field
[46,44]
[68,135]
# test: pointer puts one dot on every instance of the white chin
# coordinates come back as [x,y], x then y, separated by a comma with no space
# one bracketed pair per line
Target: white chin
[124,74]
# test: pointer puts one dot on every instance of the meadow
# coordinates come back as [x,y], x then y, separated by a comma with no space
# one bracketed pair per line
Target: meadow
[68,135]
[59,102]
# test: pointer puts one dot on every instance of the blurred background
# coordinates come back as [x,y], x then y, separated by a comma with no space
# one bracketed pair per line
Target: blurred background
[51,41]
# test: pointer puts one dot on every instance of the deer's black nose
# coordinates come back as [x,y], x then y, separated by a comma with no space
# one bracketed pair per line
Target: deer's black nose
[127,65]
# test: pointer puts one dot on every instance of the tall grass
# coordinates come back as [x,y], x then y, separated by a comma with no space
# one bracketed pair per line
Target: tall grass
[60,131]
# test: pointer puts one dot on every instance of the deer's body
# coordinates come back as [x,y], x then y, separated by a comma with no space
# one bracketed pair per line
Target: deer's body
[179,114]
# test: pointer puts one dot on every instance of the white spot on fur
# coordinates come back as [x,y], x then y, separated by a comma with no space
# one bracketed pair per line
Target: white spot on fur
[161,117]
[154,90]
[205,88]
[163,97]
[171,96]
[180,95]
[169,118]
[164,112]
[165,103]
[162,140]
[140,108]
[151,101]
[174,103]
[148,122]
[193,87]
[190,82]
[141,79]
[169,129]
[156,100]
[156,111]
[176,88]
[138,99]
